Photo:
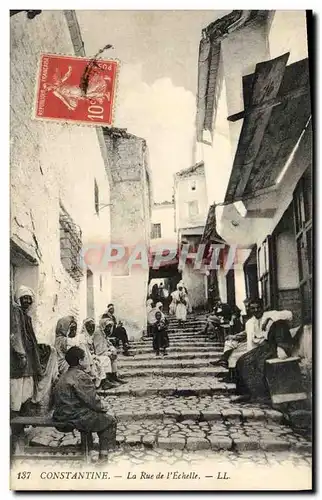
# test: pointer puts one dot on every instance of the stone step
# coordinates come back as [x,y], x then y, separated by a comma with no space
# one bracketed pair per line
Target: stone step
[186,335]
[186,330]
[190,324]
[188,338]
[191,435]
[191,327]
[175,386]
[205,408]
[180,338]
[178,343]
[175,349]
[163,371]
[159,363]
[172,355]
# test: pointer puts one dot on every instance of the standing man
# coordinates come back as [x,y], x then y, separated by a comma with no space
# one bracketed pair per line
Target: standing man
[25,366]
[118,331]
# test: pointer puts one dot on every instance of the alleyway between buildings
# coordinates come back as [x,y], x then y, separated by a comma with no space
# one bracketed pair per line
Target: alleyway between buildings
[177,408]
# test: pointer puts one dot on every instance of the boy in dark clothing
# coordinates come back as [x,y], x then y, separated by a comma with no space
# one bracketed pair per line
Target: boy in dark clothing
[78,406]
[160,334]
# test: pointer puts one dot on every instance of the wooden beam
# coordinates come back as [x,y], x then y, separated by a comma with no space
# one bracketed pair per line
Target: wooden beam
[270,103]
[266,85]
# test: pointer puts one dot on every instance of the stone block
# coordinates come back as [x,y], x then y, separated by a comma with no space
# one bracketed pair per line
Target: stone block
[124,416]
[186,422]
[153,414]
[133,439]
[274,415]
[190,414]
[247,413]
[220,443]
[274,444]
[120,438]
[246,444]
[259,414]
[211,414]
[231,414]
[197,444]
[41,441]
[173,443]
[149,439]
[303,446]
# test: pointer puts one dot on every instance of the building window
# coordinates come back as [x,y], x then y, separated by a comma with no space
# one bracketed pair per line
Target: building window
[266,273]
[155,231]
[303,233]
[96,197]
[193,185]
[193,208]
[70,245]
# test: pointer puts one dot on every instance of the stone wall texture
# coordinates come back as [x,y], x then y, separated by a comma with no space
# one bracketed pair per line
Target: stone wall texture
[51,163]
[130,225]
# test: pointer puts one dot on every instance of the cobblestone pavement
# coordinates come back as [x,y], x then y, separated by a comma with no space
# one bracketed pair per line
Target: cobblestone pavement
[177,407]
[168,433]
[140,455]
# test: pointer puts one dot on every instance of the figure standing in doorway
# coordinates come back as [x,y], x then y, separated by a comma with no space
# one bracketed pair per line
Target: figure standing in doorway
[180,300]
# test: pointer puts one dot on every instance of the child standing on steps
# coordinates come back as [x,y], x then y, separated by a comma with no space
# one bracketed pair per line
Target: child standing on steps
[160,334]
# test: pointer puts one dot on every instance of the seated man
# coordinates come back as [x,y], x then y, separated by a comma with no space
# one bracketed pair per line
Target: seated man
[103,347]
[66,330]
[117,331]
[212,327]
[78,406]
[103,366]
[222,311]
[268,336]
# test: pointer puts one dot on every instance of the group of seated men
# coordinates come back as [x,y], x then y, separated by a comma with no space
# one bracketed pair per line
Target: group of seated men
[249,342]
[68,375]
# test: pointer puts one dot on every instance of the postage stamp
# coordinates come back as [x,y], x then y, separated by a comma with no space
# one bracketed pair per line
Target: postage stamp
[76,89]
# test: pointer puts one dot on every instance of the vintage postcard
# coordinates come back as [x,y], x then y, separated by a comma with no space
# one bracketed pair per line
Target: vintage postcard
[161,250]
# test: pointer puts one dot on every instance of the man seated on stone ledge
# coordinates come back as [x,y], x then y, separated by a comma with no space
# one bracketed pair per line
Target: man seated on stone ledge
[77,405]
[268,336]
[117,331]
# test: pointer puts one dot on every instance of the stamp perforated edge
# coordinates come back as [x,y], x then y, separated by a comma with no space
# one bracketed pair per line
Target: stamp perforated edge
[75,122]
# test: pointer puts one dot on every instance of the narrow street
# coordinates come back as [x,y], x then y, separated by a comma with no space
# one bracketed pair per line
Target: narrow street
[176,407]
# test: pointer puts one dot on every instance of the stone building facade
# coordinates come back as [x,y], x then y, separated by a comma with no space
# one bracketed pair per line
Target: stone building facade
[59,185]
[190,195]
[131,205]
[264,162]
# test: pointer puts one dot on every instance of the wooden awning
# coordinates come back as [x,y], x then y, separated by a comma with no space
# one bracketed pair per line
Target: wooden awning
[277,109]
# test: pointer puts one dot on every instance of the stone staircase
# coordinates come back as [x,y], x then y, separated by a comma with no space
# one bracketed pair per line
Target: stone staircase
[179,402]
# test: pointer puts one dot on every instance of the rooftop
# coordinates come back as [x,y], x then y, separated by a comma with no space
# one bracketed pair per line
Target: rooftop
[197,168]
[163,204]
[209,61]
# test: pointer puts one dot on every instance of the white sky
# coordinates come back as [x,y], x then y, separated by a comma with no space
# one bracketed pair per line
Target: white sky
[158,79]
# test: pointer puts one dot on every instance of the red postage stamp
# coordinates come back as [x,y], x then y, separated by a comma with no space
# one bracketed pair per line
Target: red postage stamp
[76,89]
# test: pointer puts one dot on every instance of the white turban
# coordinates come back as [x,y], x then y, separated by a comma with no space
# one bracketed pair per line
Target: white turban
[24,290]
